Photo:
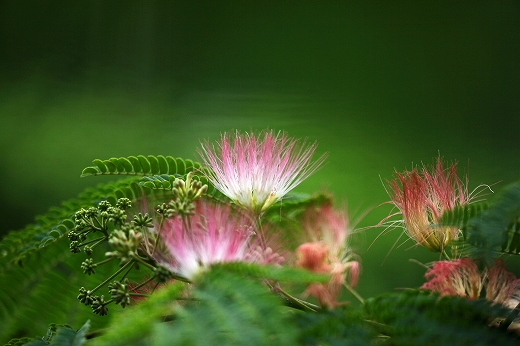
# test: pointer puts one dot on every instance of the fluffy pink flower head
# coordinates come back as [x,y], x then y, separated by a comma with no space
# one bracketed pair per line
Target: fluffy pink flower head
[422,197]
[463,278]
[326,251]
[257,171]
[214,234]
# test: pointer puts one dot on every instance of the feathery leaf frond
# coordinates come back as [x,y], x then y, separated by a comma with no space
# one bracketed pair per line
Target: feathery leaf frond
[141,165]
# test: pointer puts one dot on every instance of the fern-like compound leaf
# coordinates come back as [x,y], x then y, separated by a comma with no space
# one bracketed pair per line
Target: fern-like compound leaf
[420,318]
[141,165]
[459,216]
[496,229]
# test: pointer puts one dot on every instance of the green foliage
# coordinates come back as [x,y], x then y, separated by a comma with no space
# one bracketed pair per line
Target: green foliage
[286,213]
[66,336]
[229,304]
[421,318]
[232,310]
[278,273]
[344,325]
[292,205]
[37,268]
[57,335]
[45,289]
[459,216]
[227,309]
[487,231]
[137,322]
[56,223]
[141,165]
[498,226]
[166,182]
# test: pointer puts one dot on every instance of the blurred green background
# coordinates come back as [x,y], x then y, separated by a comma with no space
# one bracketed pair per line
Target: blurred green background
[380,85]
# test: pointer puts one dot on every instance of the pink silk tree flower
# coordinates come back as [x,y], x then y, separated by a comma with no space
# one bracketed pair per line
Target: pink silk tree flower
[327,252]
[257,171]
[213,234]
[422,196]
[463,278]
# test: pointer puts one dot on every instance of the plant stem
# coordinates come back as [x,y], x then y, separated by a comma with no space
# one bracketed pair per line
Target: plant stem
[128,264]
[354,293]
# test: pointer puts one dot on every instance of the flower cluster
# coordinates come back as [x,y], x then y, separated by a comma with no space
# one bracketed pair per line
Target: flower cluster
[257,171]
[421,196]
[215,233]
[463,278]
[327,251]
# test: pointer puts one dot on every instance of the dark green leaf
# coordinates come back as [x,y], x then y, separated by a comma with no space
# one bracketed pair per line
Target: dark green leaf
[69,337]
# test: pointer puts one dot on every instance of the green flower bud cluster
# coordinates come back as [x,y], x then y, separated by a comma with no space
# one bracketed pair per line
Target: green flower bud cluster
[126,239]
[189,190]
[125,244]
[185,192]
[96,219]
[161,274]
[97,303]
[141,220]
[120,293]
[88,266]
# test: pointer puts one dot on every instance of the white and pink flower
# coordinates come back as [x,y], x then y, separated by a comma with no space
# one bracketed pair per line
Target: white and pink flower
[257,171]
[213,234]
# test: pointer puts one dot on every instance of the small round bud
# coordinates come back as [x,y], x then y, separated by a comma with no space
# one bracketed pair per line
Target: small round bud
[72,235]
[104,205]
[88,250]
[85,296]
[119,292]
[99,305]
[88,266]
[91,212]
[161,274]
[123,203]
[74,247]
[141,220]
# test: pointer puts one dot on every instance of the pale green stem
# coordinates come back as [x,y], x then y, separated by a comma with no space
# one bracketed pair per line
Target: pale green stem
[354,293]
[128,264]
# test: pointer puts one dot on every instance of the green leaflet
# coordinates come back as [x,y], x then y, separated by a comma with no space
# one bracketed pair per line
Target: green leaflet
[69,337]
[141,165]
